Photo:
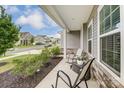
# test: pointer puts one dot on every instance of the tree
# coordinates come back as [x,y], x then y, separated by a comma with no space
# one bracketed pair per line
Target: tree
[9,32]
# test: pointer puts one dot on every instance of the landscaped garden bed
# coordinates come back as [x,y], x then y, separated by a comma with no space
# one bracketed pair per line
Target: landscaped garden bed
[28,71]
[7,79]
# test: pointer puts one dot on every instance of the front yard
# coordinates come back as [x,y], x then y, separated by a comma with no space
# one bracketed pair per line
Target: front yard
[28,70]
[8,63]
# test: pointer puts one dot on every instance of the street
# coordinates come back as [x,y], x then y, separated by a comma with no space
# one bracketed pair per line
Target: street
[18,50]
[22,51]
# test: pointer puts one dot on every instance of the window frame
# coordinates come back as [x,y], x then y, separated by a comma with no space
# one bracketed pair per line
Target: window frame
[121,27]
[104,18]
[111,68]
[111,32]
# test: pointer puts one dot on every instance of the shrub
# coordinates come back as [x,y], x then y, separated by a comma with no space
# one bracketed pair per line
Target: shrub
[27,66]
[55,50]
[45,55]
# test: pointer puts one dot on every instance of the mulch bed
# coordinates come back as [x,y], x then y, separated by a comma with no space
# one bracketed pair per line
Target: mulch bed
[8,80]
[3,63]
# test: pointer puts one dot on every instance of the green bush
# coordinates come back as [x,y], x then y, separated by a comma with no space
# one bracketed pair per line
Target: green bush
[55,50]
[45,55]
[27,66]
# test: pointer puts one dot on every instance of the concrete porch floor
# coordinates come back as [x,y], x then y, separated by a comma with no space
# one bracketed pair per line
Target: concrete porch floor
[51,78]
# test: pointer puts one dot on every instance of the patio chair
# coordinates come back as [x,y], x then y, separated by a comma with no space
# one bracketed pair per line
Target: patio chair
[81,76]
[73,57]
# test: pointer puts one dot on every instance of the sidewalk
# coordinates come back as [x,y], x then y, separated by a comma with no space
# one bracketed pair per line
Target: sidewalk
[22,53]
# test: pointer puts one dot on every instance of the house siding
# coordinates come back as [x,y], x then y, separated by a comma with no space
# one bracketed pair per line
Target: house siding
[95,48]
[102,76]
[73,40]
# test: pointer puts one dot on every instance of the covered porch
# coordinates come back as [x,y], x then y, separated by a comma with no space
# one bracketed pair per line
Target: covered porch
[73,20]
[51,78]
[81,29]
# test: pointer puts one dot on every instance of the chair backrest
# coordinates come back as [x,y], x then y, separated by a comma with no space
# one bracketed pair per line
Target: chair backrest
[84,71]
[79,52]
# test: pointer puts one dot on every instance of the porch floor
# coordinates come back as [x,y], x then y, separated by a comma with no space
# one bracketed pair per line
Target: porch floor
[51,78]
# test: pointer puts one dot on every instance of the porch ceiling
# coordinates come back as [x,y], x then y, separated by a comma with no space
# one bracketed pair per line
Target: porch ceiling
[69,16]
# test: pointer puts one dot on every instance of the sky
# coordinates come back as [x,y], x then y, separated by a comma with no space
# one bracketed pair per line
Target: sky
[33,19]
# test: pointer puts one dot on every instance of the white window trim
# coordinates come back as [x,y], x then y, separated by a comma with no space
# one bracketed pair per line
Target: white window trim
[122,40]
[121,78]
[90,24]
[110,33]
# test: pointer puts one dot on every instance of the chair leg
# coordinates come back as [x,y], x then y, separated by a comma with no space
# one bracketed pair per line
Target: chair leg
[78,86]
[58,76]
[57,81]
[52,86]
[86,84]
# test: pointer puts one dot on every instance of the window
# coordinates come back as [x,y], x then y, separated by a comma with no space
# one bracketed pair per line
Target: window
[89,46]
[110,43]
[109,18]
[90,39]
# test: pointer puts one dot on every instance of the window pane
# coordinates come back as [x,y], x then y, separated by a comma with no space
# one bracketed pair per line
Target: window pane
[110,58]
[103,45]
[117,52]
[109,18]
[117,43]
[117,61]
[107,10]
[90,32]
[116,19]
[89,46]
[107,24]
[102,26]
[110,43]
[114,7]
[110,51]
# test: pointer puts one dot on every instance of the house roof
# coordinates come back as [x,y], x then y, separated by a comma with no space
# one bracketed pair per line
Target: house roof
[25,35]
[42,38]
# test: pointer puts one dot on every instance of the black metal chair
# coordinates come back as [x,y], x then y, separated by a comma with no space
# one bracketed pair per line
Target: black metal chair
[81,76]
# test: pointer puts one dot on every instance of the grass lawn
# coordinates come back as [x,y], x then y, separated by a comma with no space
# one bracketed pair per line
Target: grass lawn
[9,64]
[3,56]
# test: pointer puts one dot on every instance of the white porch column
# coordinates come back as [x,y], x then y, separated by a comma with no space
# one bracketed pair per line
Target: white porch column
[81,38]
[122,41]
[65,42]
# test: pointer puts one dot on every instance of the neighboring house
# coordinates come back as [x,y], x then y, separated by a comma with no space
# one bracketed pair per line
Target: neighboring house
[55,40]
[45,40]
[99,30]
[25,38]
[41,40]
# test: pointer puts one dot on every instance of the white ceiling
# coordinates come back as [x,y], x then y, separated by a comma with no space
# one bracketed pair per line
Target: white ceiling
[74,15]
